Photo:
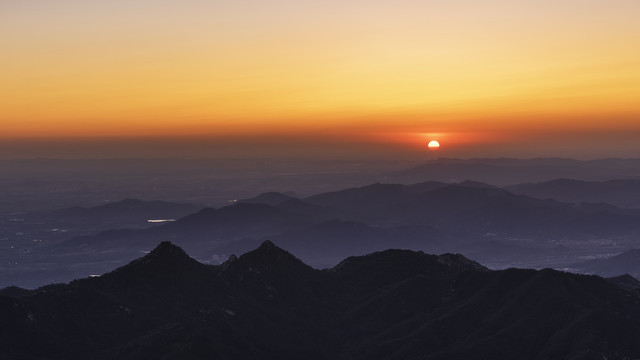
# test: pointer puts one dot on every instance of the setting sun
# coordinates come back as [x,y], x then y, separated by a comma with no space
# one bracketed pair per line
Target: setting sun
[433,145]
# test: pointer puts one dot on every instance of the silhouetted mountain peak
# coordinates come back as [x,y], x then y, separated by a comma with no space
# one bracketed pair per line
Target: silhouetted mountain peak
[166,255]
[166,261]
[268,253]
[269,258]
[166,251]
[267,244]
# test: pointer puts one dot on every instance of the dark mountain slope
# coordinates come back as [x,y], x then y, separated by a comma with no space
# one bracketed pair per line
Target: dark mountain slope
[626,282]
[267,304]
[496,315]
[164,305]
[267,263]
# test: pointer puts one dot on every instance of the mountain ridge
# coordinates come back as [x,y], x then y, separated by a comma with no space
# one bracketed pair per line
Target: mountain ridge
[393,304]
[491,224]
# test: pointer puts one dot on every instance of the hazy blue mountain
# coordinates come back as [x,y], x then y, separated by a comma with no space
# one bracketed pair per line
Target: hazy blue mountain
[372,195]
[473,210]
[480,210]
[207,227]
[267,304]
[607,208]
[623,193]
[310,211]
[24,233]
[272,198]
[627,262]
[124,213]
[46,184]
[505,171]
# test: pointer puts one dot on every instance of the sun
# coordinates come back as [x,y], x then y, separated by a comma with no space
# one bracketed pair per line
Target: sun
[434,145]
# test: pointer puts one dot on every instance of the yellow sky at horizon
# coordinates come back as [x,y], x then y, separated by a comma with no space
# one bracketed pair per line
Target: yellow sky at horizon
[87,68]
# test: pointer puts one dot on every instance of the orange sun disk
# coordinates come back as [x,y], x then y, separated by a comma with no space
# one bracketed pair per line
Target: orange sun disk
[433,145]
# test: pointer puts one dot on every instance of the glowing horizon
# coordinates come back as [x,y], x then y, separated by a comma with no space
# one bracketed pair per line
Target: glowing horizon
[475,72]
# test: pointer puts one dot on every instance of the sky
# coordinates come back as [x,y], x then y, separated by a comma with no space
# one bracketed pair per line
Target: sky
[508,78]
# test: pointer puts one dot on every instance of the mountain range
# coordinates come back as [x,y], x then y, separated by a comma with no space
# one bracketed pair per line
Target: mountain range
[509,171]
[267,304]
[490,224]
[627,262]
[624,193]
[127,213]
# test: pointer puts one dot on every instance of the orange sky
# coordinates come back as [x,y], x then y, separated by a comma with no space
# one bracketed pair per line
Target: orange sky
[488,73]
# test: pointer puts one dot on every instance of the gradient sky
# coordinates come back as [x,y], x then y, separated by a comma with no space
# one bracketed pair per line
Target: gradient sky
[485,78]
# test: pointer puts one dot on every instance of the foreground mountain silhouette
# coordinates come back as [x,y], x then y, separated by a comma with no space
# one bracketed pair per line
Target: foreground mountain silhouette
[267,304]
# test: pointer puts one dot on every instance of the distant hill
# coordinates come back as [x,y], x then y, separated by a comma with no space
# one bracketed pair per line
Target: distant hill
[472,209]
[627,262]
[623,193]
[208,226]
[121,214]
[267,304]
[505,171]
[372,195]
[272,198]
